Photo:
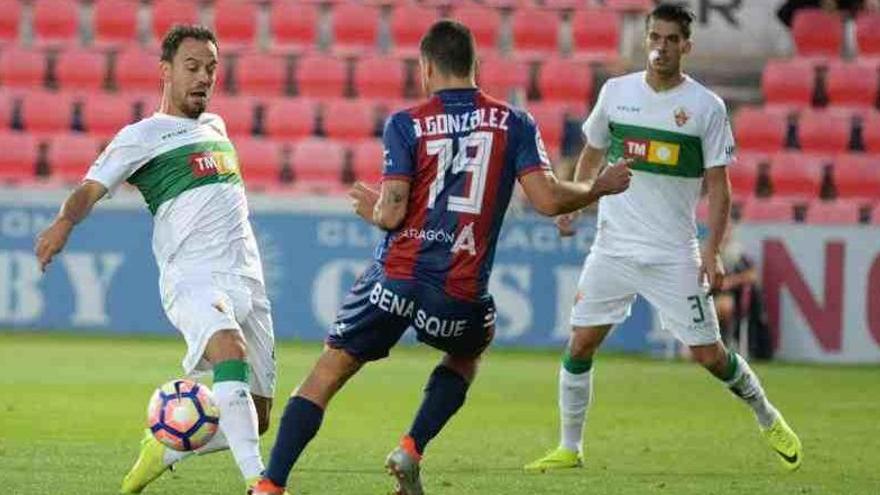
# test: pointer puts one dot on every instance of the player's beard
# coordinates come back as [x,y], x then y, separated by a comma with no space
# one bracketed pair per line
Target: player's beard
[192,107]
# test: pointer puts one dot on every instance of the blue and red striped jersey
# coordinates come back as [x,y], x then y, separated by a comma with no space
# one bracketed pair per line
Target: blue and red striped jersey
[462,152]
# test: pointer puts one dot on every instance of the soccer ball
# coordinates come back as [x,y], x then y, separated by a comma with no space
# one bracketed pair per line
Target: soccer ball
[182,415]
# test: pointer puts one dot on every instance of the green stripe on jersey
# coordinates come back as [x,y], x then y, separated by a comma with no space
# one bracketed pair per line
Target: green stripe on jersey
[168,175]
[657,151]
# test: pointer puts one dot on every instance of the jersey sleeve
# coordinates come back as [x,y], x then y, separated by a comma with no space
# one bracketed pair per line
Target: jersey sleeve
[531,154]
[596,127]
[121,158]
[718,145]
[398,140]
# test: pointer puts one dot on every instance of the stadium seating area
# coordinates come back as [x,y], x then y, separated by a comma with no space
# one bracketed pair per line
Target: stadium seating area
[811,152]
[305,86]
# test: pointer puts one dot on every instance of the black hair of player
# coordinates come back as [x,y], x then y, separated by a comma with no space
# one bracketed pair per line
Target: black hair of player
[673,12]
[179,32]
[450,46]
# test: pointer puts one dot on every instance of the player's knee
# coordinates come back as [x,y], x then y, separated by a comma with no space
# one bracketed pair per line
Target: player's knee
[225,345]
[709,357]
[583,344]
[465,366]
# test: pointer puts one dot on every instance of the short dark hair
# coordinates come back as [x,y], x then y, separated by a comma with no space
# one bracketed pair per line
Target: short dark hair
[673,12]
[179,32]
[450,45]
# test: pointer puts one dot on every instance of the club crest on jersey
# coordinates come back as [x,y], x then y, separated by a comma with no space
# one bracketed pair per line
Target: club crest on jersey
[681,116]
[656,152]
[205,163]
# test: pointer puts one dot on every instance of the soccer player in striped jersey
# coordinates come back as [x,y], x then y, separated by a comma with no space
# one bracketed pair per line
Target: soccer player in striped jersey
[210,275]
[678,134]
[450,167]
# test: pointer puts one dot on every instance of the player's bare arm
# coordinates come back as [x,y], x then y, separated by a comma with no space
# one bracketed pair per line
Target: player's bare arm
[551,197]
[76,208]
[586,170]
[385,208]
[718,188]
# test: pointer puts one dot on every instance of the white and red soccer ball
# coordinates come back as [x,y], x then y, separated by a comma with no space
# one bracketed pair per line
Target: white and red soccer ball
[183,415]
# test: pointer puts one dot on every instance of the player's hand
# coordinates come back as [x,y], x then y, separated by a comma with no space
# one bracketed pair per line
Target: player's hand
[615,178]
[565,223]
[712,270]
[363,200]
[52,240]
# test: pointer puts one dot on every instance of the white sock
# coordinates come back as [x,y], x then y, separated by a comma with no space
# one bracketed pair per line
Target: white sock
[216,444]
[238,420]
[575,393]
[746,386]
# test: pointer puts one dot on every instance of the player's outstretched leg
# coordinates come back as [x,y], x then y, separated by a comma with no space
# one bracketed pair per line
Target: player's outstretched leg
[575,395]
[736,373]
[303,416]
[445,393]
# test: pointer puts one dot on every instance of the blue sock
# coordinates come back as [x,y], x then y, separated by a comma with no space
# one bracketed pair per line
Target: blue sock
[301,420]
[444,395]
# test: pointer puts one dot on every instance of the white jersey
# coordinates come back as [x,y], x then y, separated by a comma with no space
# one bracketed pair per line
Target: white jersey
[189,175]
[673,136]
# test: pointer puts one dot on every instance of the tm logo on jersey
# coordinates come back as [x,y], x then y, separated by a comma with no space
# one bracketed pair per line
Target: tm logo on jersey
[205,163]
[658,152]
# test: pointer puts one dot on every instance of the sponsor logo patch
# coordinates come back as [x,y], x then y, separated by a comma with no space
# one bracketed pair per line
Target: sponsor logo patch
[207,163]
[657,152]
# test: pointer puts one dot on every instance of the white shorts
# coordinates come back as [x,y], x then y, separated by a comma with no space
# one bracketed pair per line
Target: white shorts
[609,284]
[200,304]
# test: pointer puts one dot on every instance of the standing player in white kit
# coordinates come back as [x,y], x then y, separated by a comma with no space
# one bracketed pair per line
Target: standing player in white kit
[210,275]
[677,133]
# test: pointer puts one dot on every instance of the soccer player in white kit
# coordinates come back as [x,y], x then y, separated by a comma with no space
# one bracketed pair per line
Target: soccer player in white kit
[677,134]
[210,274]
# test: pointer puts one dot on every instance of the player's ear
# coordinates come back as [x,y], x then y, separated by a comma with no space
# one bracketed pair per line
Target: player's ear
[686,47]
[165,70]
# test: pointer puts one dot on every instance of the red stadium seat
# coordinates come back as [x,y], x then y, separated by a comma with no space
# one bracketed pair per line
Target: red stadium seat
[788,83]
[408,24]
[260,161]
[796,175]
[871,132]
[857,176]
[565,81]
[137,71]
[484,23]
[289,117]
[596,35]
[817,33]
[535,32]
[166,13]
[236,23]
[21,68]
[833,212]
[19,158]
[868,34]
[852,84]
[237,112]
[6,105]
[875,214]
[509,4]
[39,121]
[630,6]
[71,155]
[564,4]
[355,27]
[294,26]
[824,132]
[550,118]
[774,210]
[56,22]
[349,120]
[116,22]
[317,162]
[259,74]
[760,130]
[500,76]
[80,70]
[9,21]
[105,114]
[379,77]
[367,159]
[744,173]
[320,76]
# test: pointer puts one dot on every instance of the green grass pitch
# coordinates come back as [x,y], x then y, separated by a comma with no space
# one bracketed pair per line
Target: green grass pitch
[72,409]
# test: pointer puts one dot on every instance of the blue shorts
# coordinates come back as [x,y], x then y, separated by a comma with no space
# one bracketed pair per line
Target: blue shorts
[378,310]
